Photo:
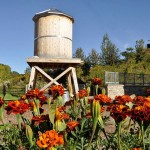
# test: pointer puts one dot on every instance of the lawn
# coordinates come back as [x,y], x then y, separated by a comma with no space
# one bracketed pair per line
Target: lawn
[9,97]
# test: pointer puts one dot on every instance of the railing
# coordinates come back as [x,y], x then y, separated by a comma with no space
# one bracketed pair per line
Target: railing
[134,79]
[17,91]
[111,77]
[127,78]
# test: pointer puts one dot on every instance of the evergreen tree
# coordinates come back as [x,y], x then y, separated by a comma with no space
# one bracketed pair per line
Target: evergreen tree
[140,50]
[79,53]
[109,51]
[94,58]
[129,54]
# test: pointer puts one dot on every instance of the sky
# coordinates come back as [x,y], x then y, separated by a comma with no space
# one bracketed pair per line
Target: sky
[125,21]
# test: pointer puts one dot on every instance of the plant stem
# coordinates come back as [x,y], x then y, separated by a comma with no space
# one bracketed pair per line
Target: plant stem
[119,139]
[19,121]
[129,124]
[2,113]
[93,130]
[142,132]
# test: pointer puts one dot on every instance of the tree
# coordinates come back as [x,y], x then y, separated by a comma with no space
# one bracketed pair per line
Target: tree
[94,58]
[79,53]
[129,54]
[140,50]
[27,70]
[109,51]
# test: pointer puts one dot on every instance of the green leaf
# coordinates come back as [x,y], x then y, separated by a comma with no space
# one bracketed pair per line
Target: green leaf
[52,112]
[82,124]
[60,125]
[73,133]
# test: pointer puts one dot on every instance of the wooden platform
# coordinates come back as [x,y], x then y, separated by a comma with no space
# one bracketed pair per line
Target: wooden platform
[53,62]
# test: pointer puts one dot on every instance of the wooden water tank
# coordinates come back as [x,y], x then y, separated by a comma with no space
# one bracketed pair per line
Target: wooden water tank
[53,34]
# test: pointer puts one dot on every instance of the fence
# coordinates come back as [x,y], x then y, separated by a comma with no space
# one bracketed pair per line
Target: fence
[17,91]
[127,78]
[134,79]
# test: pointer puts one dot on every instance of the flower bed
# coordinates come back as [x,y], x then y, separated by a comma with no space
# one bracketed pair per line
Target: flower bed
[82,123]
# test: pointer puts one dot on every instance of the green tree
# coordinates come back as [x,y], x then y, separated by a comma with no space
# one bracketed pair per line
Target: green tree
[94,58]
[140,50]
[28,70]
[79,53]
[129,58]
[110,53]
[128,54]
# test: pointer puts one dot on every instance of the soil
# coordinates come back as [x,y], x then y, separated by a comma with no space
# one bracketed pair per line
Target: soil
[110,128]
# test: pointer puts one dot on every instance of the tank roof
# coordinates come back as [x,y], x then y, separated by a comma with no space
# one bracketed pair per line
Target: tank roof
[49,12]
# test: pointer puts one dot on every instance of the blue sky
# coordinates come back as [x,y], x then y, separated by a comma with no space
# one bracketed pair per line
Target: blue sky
[125,21]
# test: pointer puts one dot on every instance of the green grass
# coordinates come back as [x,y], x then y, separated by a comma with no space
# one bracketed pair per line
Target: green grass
[9,97]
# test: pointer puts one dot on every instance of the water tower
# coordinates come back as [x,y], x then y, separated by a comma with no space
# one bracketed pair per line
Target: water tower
[53,48]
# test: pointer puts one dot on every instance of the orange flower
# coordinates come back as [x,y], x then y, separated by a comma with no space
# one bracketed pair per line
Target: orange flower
[83,93]
[17,107]
[97,81]
[72,124]
[59,115]
[123,99]
[49,139]
[36,120]
[57,90]
[147,102]
[102,98]
[136,149]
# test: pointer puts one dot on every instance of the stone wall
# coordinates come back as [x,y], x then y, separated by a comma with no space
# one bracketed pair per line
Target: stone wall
[113,90]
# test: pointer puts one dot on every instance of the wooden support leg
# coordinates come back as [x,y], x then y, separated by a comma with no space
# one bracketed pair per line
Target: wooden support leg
[70,87]
[32,81]
[74,77]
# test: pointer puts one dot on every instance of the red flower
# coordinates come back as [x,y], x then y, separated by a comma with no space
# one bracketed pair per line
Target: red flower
[123,99]
[36,120]
[72,124]
[83,93]
[17,107]
[103,98]
[57,90]
[97,81]
[119,112]
[36,93]
[140,113]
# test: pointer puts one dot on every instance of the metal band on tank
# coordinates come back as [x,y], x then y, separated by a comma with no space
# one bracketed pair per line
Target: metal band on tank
[52,36]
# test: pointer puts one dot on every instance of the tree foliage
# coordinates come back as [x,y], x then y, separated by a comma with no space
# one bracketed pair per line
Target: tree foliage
[140,50]
[110,53]
[94,58]
[79,53]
